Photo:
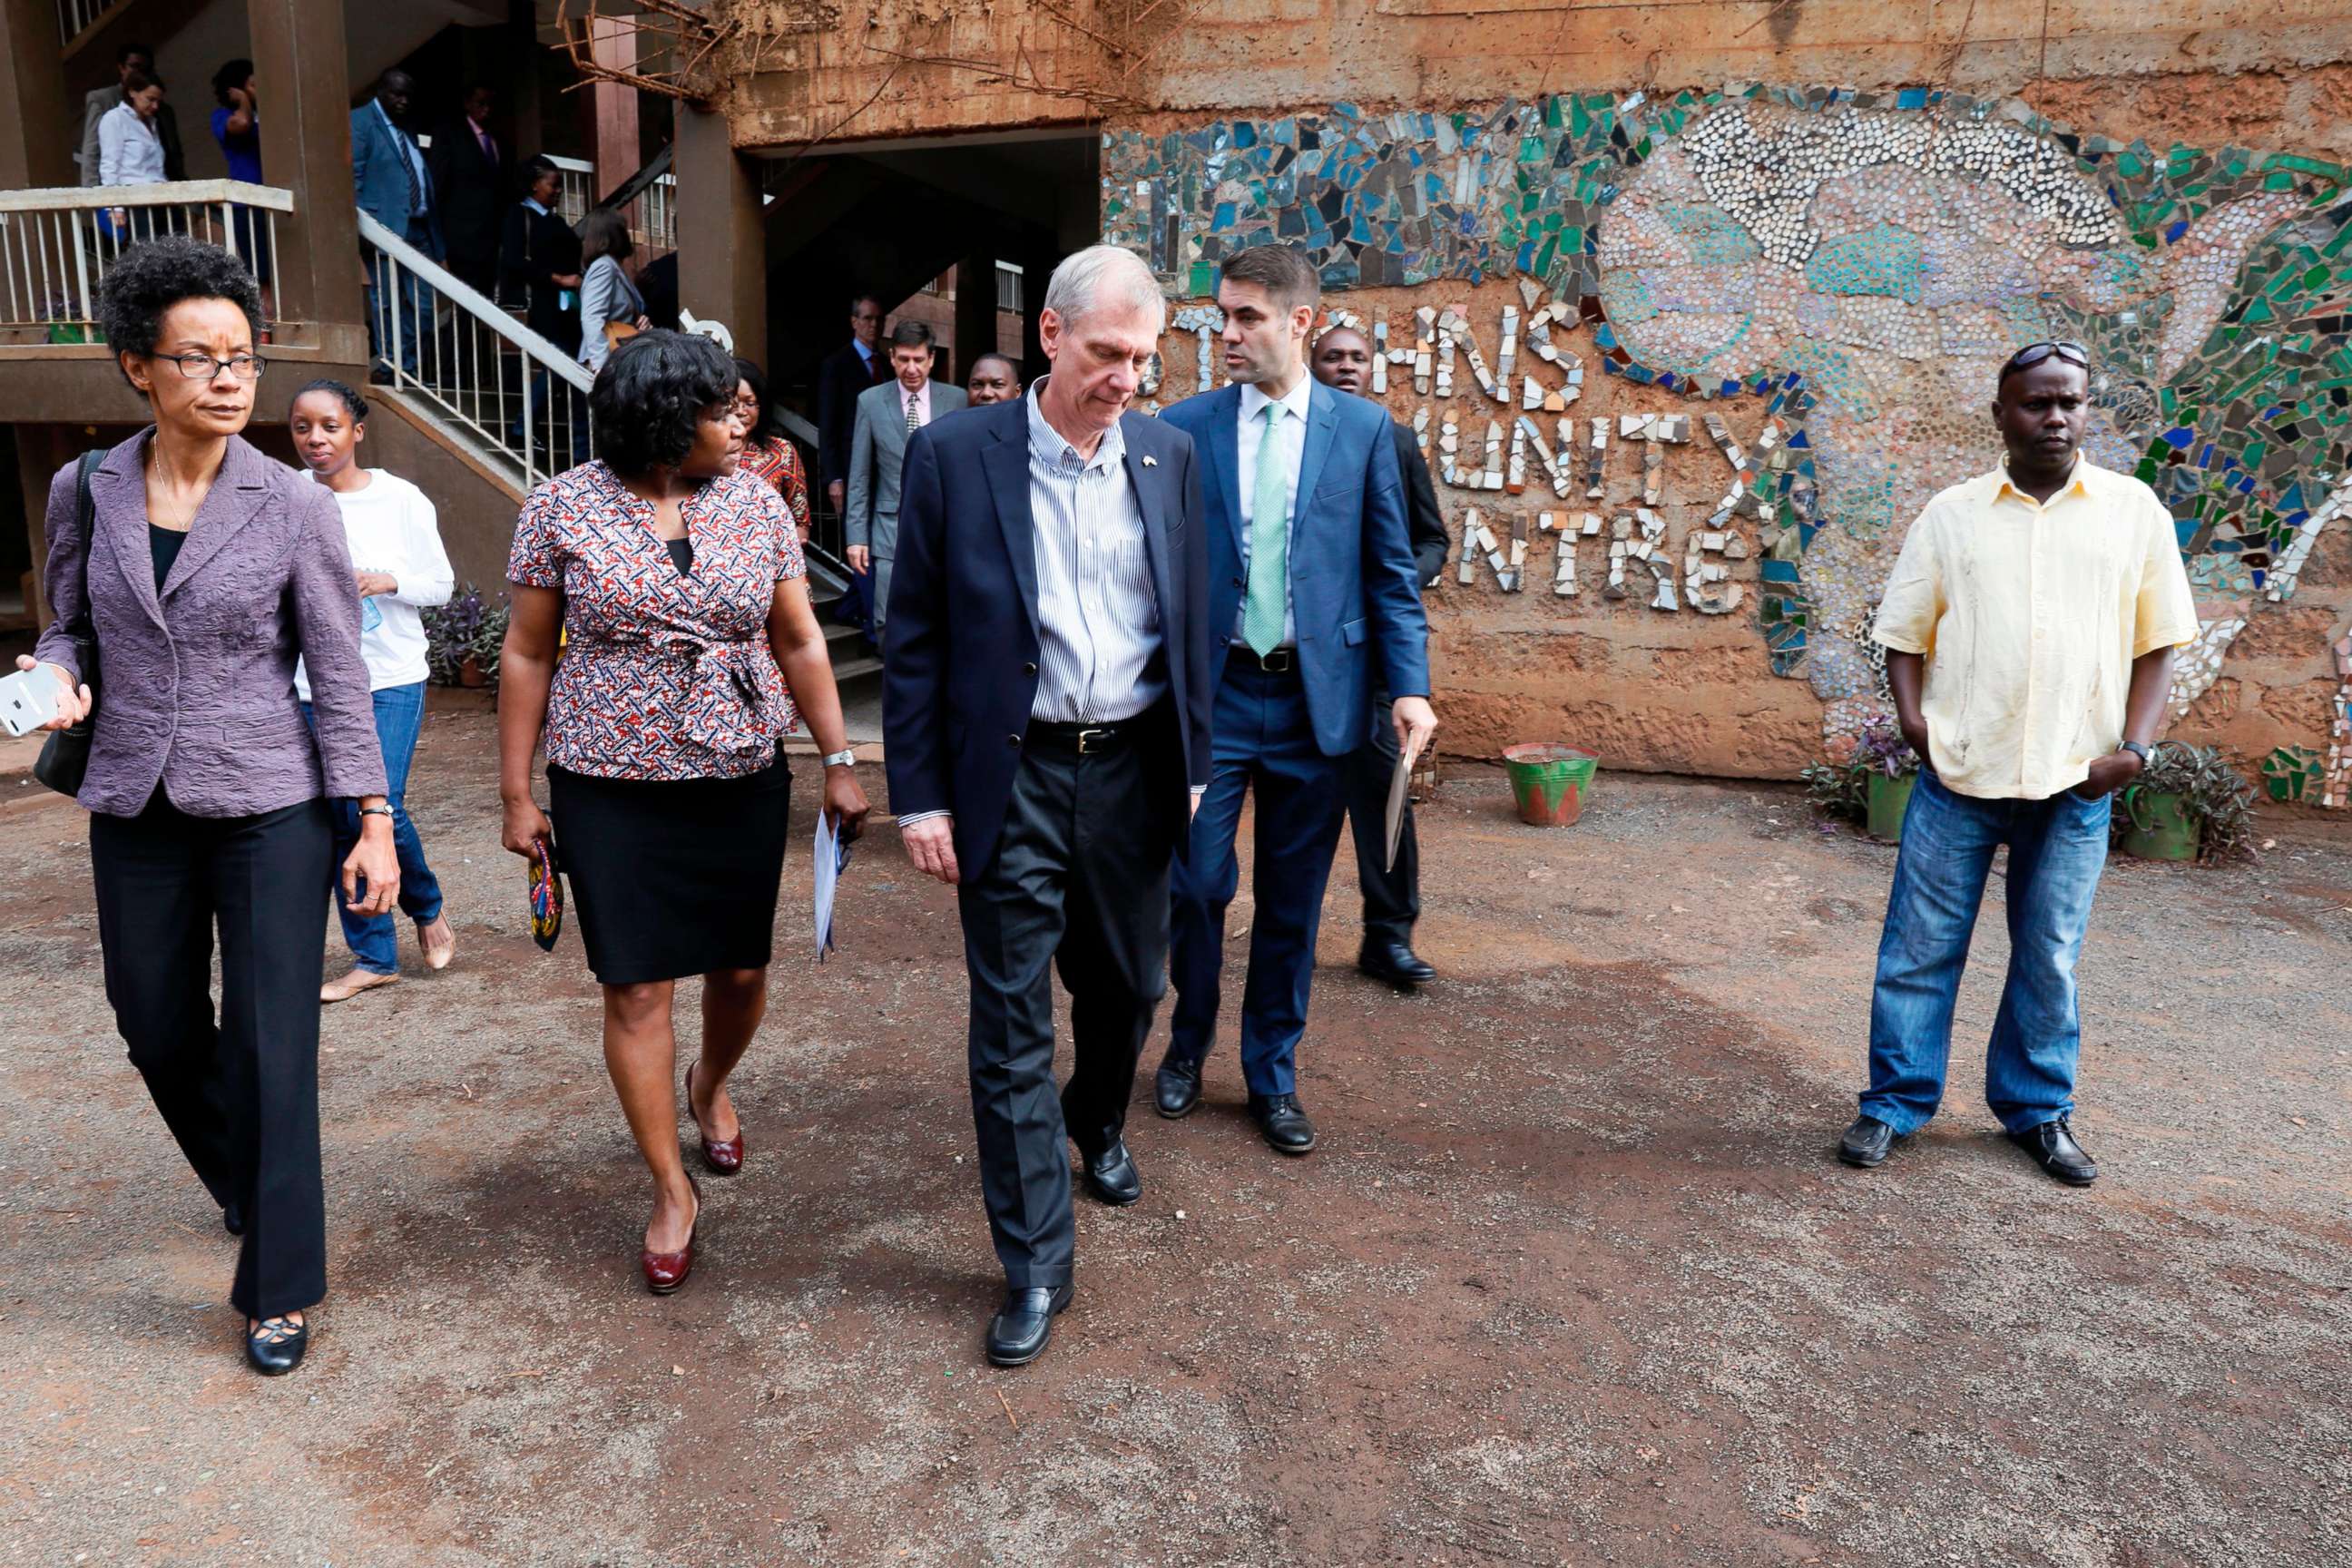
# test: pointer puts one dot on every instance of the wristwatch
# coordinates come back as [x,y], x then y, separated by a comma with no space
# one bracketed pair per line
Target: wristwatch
[375,811]
[845,758]
[2137,750]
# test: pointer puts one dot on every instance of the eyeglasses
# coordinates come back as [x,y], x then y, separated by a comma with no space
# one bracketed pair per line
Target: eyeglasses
[2032,355]
[203,367]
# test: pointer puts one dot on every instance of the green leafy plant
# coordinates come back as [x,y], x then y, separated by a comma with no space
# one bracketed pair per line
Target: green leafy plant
[2212,792]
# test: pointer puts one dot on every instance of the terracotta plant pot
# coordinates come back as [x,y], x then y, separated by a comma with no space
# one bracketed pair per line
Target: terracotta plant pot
[469,672]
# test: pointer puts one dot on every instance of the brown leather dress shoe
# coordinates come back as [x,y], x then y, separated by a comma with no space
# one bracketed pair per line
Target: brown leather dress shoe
[665,1272]
[723,1155]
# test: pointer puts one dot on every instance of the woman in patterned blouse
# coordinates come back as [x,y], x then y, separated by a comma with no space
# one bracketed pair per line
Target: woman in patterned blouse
[688,640]
[768,453]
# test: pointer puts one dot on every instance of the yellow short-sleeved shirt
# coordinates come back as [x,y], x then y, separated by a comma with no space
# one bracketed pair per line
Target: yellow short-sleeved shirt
[2029,616]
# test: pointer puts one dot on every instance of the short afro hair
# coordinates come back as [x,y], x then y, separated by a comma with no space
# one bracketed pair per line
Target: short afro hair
[651,394]
[149,278]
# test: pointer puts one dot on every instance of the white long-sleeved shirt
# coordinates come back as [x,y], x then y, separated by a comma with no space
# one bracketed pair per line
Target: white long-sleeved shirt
[393,529]
[130,152]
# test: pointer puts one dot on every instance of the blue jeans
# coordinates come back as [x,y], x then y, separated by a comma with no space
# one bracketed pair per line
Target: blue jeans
[1264,743]
[2056,850]
[373,939]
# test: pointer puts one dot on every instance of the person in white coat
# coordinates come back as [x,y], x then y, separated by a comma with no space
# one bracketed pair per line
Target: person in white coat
[401,570]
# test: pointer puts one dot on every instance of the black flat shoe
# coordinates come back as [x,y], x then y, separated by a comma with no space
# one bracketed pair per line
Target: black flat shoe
[1017,1335]
[233,1220]
[2053,1149]
[1283,1122]
[274,1347]
[1177,1087]
[1395,963]
[1112,1177]
[1865,1143]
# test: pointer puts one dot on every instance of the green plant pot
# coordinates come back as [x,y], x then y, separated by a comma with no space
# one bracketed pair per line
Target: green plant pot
[2158,826]
[1889,799]
[1549,783]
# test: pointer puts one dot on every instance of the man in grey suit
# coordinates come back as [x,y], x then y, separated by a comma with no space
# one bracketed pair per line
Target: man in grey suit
[887,415]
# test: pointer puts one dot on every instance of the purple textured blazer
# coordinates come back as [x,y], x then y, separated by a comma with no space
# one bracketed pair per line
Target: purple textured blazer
[199,679]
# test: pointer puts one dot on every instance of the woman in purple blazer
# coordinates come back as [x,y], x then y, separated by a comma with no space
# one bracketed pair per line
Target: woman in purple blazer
[206,570]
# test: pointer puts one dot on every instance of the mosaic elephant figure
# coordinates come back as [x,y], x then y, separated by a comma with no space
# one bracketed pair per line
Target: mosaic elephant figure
[1895,259]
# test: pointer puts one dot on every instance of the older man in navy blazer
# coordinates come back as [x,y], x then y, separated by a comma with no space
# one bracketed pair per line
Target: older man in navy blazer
[1311,579]
[1046,701]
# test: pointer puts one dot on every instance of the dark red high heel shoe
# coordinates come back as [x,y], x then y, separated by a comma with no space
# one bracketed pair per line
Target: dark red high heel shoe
[665,1272]
[724,1156]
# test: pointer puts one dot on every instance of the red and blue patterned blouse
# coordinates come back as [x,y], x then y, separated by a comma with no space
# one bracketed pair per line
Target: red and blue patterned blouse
[664,674]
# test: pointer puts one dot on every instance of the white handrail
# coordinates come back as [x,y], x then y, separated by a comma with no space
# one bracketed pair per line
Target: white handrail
[463,295]
[157,193]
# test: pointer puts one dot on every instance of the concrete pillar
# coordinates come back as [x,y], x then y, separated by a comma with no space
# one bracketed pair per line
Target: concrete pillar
[723,275]
[612,43]
[975,309]
[33,98]
[306,148]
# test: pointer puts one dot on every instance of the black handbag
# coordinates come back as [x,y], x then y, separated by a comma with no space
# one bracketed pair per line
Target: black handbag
[65,756]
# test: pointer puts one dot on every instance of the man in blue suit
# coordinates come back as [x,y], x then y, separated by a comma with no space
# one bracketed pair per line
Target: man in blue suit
[1311,583]
[393,185]
[1046,701]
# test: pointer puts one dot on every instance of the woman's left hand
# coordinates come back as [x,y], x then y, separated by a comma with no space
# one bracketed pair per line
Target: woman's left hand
[845,802]
[370,583]
[373,860]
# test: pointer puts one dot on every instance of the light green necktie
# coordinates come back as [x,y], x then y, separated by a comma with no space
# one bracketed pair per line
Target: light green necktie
[1269,571]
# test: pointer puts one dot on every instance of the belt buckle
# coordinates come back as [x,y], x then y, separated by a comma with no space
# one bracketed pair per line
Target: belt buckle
[1087,739]
[1275,661]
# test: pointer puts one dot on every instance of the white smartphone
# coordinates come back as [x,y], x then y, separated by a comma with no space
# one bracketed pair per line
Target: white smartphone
[28,699]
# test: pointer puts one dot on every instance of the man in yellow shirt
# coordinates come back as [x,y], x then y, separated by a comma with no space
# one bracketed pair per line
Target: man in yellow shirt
[2028,624]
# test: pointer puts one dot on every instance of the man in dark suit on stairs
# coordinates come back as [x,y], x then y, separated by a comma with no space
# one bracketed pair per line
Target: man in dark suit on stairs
[1045,704]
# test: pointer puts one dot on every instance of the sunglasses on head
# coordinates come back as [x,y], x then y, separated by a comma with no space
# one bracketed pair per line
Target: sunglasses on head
[2032,355]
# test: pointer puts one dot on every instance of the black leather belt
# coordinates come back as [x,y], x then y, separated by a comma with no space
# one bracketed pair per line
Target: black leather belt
[1278,661]
[1086,740]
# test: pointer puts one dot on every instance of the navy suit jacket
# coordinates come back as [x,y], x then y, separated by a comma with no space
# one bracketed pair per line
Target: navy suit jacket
[1353,583]
[960,661]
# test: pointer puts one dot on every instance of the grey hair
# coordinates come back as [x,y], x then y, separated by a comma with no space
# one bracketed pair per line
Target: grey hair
[1104,276]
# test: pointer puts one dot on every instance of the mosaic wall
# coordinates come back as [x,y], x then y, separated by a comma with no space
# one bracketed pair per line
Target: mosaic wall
[1841,272]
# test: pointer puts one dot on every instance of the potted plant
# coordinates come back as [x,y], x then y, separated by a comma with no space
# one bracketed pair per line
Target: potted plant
[1873,786]
[2189,804]
[462,639]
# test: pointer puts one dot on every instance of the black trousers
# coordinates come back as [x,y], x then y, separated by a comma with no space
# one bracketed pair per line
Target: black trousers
[240,1091]
[1391,893]
[1079,881]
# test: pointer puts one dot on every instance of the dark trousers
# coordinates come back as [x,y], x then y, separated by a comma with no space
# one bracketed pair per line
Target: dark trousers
[239,1089]
[1264,743]
[1079,882]
[1391,893]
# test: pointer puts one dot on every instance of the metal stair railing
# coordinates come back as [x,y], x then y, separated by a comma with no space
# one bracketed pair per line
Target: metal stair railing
[58,244]
[517,398]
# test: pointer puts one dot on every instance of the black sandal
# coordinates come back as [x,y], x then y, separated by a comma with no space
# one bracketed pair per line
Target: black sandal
[274,1346]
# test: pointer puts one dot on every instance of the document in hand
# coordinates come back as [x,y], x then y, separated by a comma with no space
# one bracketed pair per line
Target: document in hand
[1400,792]
[830,858]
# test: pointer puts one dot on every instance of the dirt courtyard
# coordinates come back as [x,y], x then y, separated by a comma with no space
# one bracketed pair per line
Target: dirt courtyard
[1573,1278]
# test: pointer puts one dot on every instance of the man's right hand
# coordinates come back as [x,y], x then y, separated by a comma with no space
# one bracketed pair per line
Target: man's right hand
[930,845]
[1916,734]
[860,560]
[835,492]
[73,702]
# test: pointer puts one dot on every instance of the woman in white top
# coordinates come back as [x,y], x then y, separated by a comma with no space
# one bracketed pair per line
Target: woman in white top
[401,569]
[130,152]
[608,295]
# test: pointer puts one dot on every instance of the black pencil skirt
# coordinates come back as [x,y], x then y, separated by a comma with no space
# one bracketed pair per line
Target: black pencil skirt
[672,877]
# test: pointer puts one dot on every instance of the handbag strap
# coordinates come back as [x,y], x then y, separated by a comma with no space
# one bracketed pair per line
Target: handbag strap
[87,510]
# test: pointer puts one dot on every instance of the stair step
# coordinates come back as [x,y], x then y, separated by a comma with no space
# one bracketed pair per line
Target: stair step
[840,631]
[850,669]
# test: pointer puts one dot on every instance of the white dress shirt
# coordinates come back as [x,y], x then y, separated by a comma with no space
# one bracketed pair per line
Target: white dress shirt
[130,152]
[1291,431]
[390,527]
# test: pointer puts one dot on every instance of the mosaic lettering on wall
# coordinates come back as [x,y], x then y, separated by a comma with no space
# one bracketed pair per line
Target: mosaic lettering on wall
[1845,269]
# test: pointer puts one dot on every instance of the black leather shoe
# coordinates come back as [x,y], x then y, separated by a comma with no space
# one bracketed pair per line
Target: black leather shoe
[2053,1149]
[1285,1125]
[1111,1176]
[1017,1334]
[1865,1143]
[233,1220]
[274,1347]
[1395,963]
[1179,1087]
